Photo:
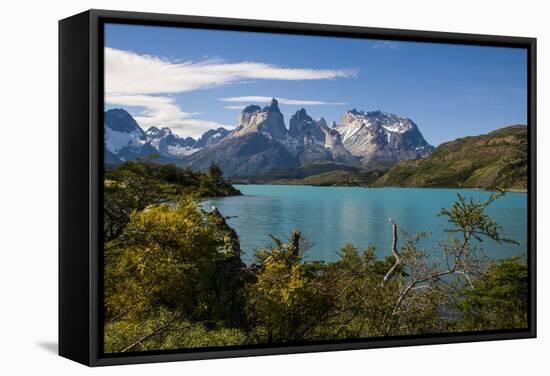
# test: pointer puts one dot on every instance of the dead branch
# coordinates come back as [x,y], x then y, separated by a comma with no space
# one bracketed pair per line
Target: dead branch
[156,331]
[395,253]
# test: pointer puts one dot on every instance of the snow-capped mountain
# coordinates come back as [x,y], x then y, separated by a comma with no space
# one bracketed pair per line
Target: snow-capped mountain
[211,137]
[379,136]
[123,137]
[124,140]
[169,144]
[313,140]
[261,142]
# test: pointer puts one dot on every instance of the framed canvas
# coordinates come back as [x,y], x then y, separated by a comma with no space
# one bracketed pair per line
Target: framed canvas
[239,187]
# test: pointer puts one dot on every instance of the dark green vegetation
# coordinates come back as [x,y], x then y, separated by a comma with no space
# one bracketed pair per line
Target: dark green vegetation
[135,185]
[497,160]
[174,278]
[320,173]
[499,300]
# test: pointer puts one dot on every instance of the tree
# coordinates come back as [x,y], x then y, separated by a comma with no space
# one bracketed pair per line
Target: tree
[130,188]
[215,173]
[499,300]
[362,303]
[174,278]
[163,263]
[134,185]
[427,288]
[286,302]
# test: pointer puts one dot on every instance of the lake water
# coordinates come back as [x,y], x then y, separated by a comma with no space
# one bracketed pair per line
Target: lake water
[330,217]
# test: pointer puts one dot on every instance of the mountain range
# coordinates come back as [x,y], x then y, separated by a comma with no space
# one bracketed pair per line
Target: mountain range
[496,160]
[261,142]
[125,140]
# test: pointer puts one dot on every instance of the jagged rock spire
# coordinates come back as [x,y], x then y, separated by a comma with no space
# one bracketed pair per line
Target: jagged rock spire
[301,114]
[273,106]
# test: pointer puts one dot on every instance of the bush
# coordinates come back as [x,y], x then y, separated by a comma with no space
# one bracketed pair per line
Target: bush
[499,299]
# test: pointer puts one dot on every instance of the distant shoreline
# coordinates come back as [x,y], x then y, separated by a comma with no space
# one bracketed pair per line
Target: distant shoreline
[512,190]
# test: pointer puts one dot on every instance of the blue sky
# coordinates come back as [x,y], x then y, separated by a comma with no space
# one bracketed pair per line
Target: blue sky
[192,80]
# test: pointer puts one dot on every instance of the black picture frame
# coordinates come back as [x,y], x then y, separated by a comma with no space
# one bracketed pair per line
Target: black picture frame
[80,183]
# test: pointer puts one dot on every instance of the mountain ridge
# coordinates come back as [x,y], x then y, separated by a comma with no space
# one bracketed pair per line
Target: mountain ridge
[261,141]
[307,140]
[261,149]
[380,136]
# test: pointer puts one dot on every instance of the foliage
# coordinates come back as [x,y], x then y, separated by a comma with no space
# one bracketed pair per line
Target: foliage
[362,304]
[164,269]
[499,300]
[428,288]
[134,185]
[164,258]
[286,302]
[469,219]
[180,335]
[174,278]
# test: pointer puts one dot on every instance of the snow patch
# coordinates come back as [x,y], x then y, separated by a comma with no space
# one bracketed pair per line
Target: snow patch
[116,141]
[400,127]
[177,150]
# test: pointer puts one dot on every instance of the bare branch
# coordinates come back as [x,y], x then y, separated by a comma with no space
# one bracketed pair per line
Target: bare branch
[147,336]
[153,333]
[395,253]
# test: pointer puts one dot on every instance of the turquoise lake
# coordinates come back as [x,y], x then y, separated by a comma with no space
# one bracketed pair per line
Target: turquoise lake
[330,217]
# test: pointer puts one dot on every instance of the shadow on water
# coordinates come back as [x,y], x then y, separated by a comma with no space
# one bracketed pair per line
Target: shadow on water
[50,347]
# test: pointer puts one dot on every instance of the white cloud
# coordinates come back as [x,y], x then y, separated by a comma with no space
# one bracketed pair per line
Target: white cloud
[292,102]
[128,72]
[196,127]
[237,107]
[149,81]
[163,111]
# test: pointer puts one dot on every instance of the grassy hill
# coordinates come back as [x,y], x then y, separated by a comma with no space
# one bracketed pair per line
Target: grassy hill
[497,160]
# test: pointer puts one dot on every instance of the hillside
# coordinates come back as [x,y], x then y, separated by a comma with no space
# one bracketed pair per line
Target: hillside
[321,173]
[497,160]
